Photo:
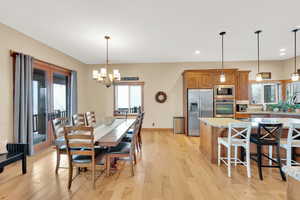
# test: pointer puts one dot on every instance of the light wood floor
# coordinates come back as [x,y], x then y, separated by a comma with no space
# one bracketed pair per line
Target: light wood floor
[170,167]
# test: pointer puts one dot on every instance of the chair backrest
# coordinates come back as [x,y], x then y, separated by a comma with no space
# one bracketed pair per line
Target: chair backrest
[239,131]
[134,135]
[271,131]
[141,118]
[78,119]
[58,125]
[90,118]
[294,133]
[80,141]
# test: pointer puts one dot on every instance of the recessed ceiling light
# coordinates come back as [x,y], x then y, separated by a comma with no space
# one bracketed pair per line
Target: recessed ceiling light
[197,52]
[282,54]
[283,49]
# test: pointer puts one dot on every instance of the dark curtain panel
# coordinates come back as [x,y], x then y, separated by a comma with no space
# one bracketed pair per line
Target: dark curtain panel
[23,101]
[73,95]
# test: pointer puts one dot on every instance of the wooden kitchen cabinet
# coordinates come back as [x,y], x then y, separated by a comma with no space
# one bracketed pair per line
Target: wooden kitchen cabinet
[204,79]
[242,116]
[242,89]
[198,80]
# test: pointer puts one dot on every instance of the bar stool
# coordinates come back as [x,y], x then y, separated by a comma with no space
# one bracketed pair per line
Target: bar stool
[238,136]
[292,141]
[267,135]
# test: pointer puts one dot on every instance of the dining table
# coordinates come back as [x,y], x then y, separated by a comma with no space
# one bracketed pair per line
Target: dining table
[110,135]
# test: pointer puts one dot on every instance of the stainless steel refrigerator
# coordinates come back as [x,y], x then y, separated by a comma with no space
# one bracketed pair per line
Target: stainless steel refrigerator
[200,104]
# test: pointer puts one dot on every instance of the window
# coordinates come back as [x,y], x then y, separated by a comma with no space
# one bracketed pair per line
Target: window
[128,98]
[293,90]
[265,93]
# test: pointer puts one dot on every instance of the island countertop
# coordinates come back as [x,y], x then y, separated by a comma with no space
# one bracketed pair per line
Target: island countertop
[224,122]
[212,128]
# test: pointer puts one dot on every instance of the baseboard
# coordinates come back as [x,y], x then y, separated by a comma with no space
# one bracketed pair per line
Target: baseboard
[157,129]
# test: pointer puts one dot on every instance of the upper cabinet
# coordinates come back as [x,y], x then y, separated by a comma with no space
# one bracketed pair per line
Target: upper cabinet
[209,78]
[242,89]
[198,79]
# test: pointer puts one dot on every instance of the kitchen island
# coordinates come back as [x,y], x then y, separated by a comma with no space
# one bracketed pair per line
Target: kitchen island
[212,128]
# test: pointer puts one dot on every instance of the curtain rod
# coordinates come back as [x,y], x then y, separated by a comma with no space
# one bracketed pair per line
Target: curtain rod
[14,53]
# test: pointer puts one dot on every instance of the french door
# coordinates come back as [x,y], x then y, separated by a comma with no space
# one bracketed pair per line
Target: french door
[50,100]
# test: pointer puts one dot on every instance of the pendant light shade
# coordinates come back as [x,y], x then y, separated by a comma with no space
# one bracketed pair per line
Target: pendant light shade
[258,75]
[222,76]
[295,75]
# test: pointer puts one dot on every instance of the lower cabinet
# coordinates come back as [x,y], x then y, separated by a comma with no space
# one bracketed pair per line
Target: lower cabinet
[263,115]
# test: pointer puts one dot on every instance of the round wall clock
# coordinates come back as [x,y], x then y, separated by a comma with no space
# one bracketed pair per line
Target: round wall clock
[160,97]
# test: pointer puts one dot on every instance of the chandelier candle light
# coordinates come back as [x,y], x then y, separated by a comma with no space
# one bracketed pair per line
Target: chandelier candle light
[258,75]
[222,76]
[102,76]
[295,75]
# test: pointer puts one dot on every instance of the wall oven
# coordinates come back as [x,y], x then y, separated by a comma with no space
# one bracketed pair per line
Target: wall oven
[224,91]
[224,108]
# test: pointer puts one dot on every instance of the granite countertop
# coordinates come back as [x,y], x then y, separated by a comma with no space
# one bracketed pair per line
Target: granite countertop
[268,112]
[224,122]
[292,172]
[219,122]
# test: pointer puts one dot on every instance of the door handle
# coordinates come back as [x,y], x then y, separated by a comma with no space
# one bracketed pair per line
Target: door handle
[199,108]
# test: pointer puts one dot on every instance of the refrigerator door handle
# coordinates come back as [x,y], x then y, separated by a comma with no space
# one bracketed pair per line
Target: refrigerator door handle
[199,108]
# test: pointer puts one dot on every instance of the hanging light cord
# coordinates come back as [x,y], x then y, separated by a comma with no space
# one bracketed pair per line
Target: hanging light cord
[106,51]
[222,35]
[222,52]
[258,50]
[295,50]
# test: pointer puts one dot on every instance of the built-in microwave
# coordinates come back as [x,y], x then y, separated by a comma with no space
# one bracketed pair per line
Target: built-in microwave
[224,91]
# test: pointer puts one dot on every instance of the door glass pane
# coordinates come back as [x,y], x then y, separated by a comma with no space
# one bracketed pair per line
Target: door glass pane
[39,106]
[60,95]
[135,98]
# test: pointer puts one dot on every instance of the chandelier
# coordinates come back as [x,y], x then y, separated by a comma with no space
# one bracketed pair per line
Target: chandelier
[102,76]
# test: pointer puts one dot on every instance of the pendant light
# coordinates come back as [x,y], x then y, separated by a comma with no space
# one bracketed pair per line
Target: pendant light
[102,76]
[258,75]
[222,76]
[295,75]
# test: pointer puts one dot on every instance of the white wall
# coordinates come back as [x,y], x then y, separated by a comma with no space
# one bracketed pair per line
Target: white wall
[166,77]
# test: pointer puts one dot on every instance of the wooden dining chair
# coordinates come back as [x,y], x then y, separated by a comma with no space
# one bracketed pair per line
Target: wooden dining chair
[129,134]
[58,125]
[139,137]
[84,157]
[90,119]
[78,119]
[124,149]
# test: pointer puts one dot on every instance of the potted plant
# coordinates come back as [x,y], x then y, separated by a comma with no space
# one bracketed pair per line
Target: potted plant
[297,108]
[291,107]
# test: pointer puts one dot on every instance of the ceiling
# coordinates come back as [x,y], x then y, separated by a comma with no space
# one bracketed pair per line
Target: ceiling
[157,30]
